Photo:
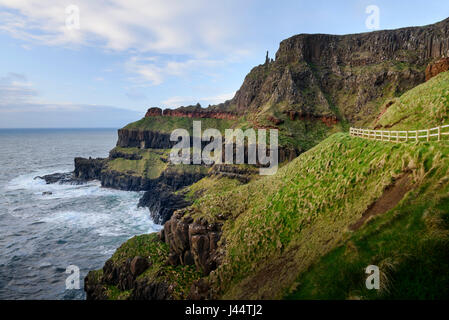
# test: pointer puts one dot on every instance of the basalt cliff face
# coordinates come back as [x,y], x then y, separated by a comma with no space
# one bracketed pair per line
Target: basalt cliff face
[345,76]
[317,85]
[145,139]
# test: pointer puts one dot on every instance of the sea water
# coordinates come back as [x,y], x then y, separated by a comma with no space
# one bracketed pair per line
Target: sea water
[81,225]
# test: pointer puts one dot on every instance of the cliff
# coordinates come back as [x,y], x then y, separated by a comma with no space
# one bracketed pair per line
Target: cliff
[317,84]
[344,76]
[191,112]
[237,235]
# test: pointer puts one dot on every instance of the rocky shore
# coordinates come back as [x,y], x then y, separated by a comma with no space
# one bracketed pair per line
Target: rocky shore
[316,85]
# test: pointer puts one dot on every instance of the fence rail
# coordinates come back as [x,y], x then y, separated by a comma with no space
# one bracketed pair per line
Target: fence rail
[434,134]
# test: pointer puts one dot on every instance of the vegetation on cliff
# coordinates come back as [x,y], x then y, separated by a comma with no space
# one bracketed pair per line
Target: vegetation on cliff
[345,203]
[426,106]
[167,125]
[148,163]
[279,226]
[121,279]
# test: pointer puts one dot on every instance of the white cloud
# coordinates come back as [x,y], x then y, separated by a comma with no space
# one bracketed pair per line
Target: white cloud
[155,69]
[164,38]
[146,72]
[175,26]
[15,88]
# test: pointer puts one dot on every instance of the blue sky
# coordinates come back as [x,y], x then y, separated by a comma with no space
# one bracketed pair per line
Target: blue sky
[128,55]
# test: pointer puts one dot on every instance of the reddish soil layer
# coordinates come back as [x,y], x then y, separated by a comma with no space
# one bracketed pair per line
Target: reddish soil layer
[436,68]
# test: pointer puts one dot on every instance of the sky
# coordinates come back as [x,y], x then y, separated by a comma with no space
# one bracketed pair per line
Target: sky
[103,63]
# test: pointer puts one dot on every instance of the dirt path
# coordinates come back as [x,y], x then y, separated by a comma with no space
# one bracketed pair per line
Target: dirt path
[389,199]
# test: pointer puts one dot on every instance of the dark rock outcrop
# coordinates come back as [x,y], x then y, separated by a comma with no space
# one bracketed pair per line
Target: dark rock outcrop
[125,277]
[89,169]
[161,198]
[162,202]
[150,290]
[122,181]
[138,266]
[193,242]
[145,139]
[61,178]
[114,154]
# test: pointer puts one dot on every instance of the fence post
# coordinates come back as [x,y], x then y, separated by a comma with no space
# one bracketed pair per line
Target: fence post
[406,136]
[397,136]
[417,136]
[428,135]
[439,133]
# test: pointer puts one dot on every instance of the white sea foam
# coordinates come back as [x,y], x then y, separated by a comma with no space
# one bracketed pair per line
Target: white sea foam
[116,214]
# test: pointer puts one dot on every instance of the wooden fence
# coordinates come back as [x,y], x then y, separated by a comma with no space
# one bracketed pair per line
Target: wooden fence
[434,134]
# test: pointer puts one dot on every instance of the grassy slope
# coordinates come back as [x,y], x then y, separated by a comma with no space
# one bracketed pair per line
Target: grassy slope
[208,186]
[168,124]
[409,243]
[425,106]
[151,165]
[288,235]
[283,224]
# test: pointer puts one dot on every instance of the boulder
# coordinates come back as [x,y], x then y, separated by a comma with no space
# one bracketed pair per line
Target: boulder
[138,266]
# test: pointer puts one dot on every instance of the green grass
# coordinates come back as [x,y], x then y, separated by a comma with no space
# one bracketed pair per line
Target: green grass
[151,166]
[279,226]
[113,293]
[168,124]
[143,246]
[304,135]
[208,186]
[301,135]
[425,106]
[409,244]
[180,277]
[288,235]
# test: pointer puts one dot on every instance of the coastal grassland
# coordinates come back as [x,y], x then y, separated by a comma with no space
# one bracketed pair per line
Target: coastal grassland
[209,185]
[143,246]
[425,106]
[151,165]
[168,124]
[304,135]
[279,226]
[300,135]
[409,244]
[180,278]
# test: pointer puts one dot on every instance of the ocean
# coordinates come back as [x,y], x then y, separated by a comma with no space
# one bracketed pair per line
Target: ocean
[41,235]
